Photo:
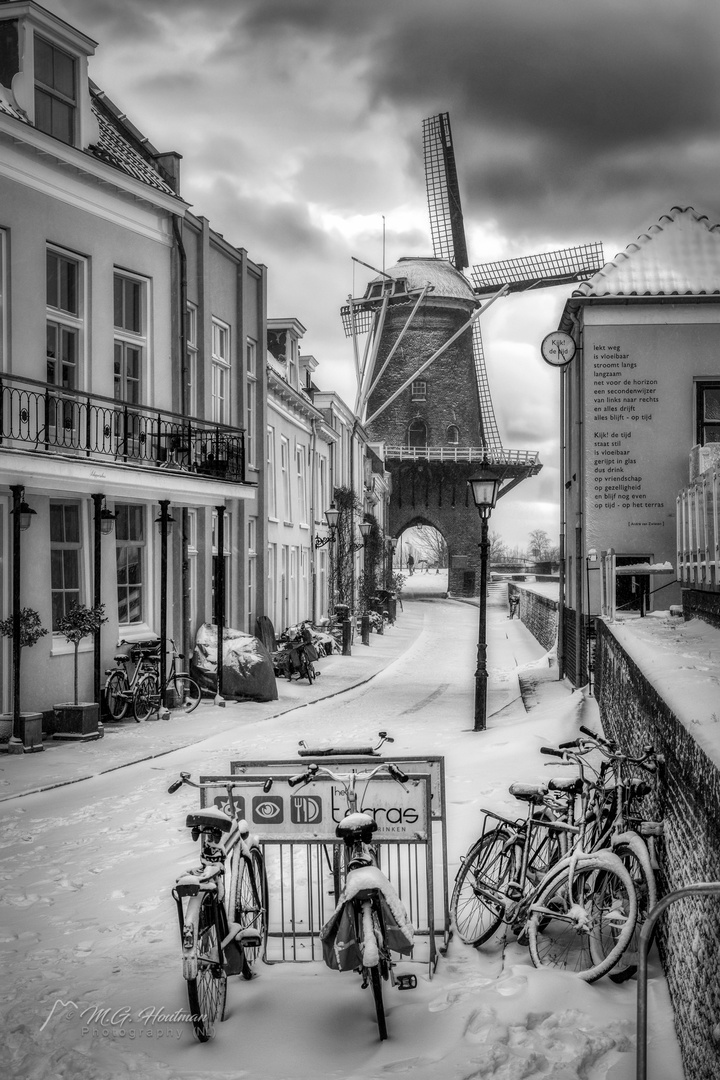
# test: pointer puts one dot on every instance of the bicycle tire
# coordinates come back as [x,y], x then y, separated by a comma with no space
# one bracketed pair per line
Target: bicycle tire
[585,929]
[646,893]
[250,904]
[116,685]
[488,865]
[377,993]
[187,692]
[146,698]
[208,990]
[309,671]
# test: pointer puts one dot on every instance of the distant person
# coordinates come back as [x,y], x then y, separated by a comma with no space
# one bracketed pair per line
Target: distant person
[514,605]
[410,564]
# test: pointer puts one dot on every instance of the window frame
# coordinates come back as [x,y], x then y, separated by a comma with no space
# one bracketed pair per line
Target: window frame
[272,509]
[220,373]
[126,339]
[70,324]
[191,356]
[285,479]
[65,545]
[56,96]
[251,390]
[125,543]
[418,390]
[701,385]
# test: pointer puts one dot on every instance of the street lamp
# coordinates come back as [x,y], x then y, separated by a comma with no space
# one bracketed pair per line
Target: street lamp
[331,516]
[485,491]
[364,527]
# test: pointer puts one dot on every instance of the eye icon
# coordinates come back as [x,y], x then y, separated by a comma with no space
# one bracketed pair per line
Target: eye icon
[267,808]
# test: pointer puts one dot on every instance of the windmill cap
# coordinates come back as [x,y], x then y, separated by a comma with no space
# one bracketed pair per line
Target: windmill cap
[444,279]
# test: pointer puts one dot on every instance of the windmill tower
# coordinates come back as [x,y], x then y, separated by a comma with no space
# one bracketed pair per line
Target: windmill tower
[423,391]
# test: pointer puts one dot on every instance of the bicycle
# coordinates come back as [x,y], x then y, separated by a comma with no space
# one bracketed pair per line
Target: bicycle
[120,688]
[146,698]
[575,910]
[299,656]
[370,919]
[219,940]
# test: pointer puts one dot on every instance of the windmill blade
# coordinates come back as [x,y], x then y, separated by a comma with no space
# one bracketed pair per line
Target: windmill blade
[443,192]
[491,435]
[551,268]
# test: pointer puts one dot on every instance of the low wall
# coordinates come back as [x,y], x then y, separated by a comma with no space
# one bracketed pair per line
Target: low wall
[634,714]
[538,612]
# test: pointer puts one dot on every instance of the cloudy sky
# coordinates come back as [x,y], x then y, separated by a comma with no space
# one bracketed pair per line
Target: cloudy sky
[299,122]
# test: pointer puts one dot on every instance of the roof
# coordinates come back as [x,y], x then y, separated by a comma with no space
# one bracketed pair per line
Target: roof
[440,274]
[678,256]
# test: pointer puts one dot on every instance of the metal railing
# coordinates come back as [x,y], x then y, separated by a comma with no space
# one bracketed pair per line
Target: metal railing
[49,419]
[479,454]
[698,546]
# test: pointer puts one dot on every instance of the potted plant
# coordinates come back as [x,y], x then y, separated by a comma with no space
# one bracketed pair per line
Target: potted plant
[79,719]
[21,731]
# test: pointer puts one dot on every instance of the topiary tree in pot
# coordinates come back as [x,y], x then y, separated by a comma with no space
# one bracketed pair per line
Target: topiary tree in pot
[31,630]
[80,719]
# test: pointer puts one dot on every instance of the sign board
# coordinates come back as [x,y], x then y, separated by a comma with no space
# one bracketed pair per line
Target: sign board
[433,766]
[312,811]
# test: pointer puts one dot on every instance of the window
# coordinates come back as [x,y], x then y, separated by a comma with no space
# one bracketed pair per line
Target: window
[220,373]
[3,291]
[322,496]
[130,557]
[453,435]
[272,582]
[130,342]
[63,330]
[251,401]
[417,433]
[418,390]
[271,477]
[285,478]
[251,572]
[55,95]
[191,355]
[192,565]
[301,484]
[65,551]
[708,413]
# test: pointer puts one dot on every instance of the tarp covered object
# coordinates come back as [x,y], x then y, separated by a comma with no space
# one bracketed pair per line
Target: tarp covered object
[247,664]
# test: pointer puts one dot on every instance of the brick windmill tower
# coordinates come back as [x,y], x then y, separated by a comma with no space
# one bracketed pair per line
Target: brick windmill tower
[423,391]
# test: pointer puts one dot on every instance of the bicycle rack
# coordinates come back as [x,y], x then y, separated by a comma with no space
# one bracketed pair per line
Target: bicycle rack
[701,888]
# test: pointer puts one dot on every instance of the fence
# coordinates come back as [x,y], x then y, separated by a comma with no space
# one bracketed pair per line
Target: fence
[698,547]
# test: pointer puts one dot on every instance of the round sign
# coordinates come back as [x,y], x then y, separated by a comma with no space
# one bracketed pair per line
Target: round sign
[558,349]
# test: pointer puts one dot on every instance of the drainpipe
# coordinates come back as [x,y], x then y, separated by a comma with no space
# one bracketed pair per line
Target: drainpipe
[184,559]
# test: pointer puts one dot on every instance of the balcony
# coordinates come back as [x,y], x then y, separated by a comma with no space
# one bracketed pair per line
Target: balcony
[46,419]
[698,531]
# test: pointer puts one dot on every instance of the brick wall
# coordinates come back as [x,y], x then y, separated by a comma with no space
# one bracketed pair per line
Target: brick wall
[689,804]
[539,613]
[703,603]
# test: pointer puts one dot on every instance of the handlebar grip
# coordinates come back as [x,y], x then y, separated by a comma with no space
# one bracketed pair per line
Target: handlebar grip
[592,734]
[569,745]
[175,786]
[549,750]
[301,778]
[398,774]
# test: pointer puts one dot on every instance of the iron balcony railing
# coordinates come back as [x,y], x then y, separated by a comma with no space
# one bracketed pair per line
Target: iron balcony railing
[476,454]
[49,419]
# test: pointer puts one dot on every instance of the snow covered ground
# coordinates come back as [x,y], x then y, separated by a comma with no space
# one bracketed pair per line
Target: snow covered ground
[88,941]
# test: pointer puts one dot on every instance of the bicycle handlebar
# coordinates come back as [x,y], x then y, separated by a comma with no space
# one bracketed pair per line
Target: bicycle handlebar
[345,778]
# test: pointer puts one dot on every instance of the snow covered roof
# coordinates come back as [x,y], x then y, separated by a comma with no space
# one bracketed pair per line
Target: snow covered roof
[677,256]
[445,280]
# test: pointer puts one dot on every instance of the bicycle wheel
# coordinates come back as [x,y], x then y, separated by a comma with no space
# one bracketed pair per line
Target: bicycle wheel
[583,927]
[187,693]
[643,880]
[477,906]
[146,698]
[376,984]
[207,991]
[115,703]
[309,671]
[250,904]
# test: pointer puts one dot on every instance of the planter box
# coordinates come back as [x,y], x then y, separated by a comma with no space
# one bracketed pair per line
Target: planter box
[78,722]
[30,733]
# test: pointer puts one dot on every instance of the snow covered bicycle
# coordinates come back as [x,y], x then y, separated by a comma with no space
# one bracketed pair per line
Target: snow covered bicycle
[575,910]
[223,930]
[370,921]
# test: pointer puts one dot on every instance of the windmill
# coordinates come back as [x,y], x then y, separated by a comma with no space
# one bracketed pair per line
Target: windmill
[488,282]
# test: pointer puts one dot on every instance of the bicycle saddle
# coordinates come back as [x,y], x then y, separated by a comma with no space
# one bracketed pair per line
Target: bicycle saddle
[356,826]
[209,819]
[528,792]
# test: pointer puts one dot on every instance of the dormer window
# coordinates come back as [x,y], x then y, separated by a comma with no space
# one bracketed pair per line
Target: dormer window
[55,91]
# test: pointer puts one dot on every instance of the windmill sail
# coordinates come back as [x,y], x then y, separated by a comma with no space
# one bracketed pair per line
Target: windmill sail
[491,435]
[443,192]
[550,268]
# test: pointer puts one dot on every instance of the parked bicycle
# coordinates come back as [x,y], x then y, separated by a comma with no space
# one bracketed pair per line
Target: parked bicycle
[143,689]
[299,655]
[222,907]
[575,910]
[121,687]
[370,921]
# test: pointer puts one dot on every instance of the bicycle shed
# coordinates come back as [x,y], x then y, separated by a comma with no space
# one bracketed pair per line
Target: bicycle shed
[296,829]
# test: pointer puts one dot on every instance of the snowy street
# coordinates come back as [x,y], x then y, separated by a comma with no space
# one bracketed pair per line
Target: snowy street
[89,935]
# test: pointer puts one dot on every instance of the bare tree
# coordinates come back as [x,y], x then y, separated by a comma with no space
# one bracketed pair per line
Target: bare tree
[540,545]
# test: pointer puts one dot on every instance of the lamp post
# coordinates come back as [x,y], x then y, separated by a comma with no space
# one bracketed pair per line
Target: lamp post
[485,491]
[331,517]
[164,523]
[104,521]
[22,515]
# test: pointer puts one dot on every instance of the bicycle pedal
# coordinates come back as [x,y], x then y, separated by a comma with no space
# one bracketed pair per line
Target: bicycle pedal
[406,982]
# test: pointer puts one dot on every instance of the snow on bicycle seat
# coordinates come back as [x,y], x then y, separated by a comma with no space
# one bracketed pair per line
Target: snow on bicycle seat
[528,792]
[357,823]
[340,751]
[210,818]
[566,783]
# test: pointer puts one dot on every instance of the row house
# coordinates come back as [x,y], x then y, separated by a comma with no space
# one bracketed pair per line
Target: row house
[130,371]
